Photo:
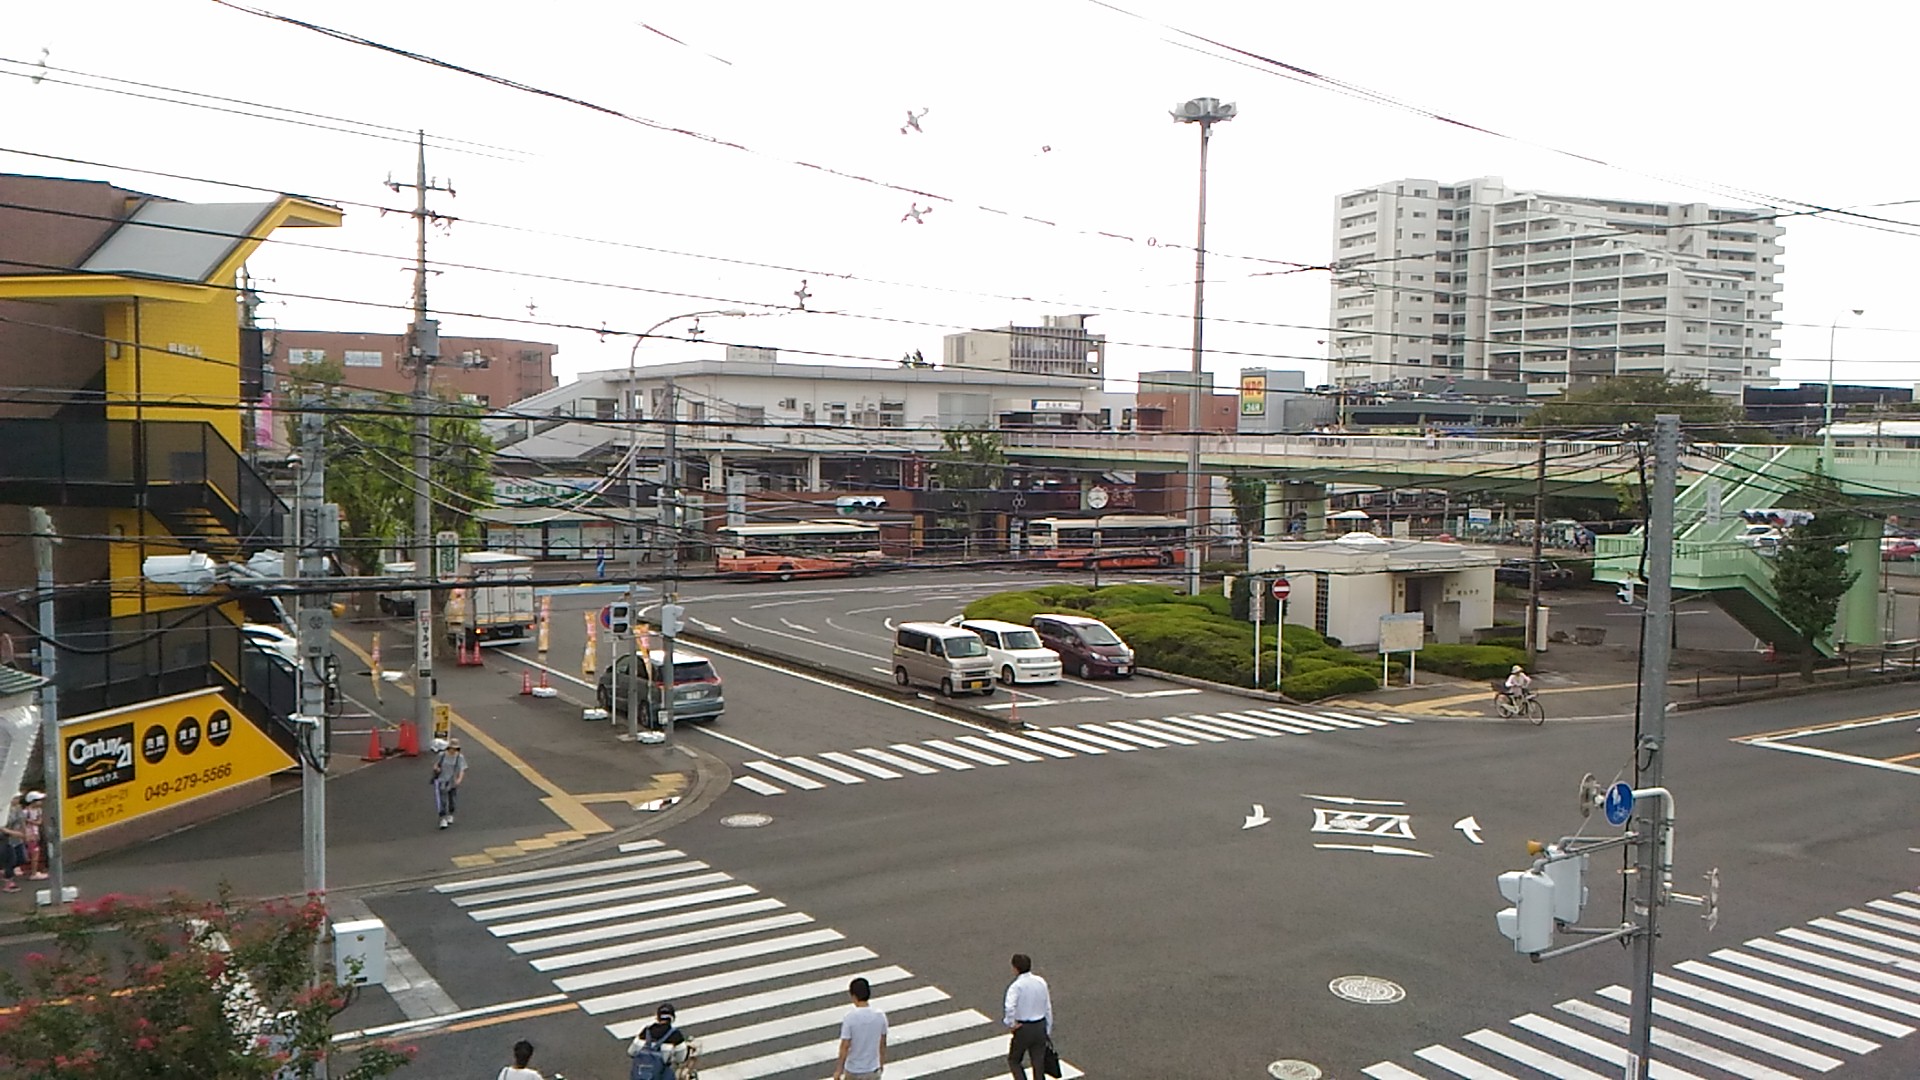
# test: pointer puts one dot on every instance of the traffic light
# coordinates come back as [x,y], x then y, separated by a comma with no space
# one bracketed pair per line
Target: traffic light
[1529,922]
[1625,592]
[670,619]
[1569,879]
[620,617]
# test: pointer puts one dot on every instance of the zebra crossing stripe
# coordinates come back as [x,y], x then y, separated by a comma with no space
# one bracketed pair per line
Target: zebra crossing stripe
[757,785]
[1387,1070]
[642,946]
[1389,718]
[1177,740]
[1844,967]
[1760,1014]
[713,1011]
[1271,719]
[1588,1044]
[543,888]
[648,997]
[1027,744]
[1679,1044]
[966,752]
[644,926]
[1207,723]
[1848,948]
[1306,720]
[1870,919]
[594,899]
[819,1018]
[1162,725]
[1527,1055]
[896,761]
[876,771]
[1338,721]
[1232,722]
[620,911]
[1461,1064]
[998,748]
[1260,724]
[1820,982]
[1733,1033]
[785,776]
[925,754]
[723,955]
[838,776]
[1115,733]
[1047,735]
[1819,1006]
[822,1052]
[1079,731]
[954,1057]
[1893,908]
[556,872]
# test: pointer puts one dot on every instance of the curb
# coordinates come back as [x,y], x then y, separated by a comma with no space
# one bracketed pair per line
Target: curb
[1223,688]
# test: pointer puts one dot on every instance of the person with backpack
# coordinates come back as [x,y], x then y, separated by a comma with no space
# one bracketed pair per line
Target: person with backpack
[659,1047]
[449,771]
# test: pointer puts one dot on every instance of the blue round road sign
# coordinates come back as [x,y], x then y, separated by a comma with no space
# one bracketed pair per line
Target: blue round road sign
[1619,804]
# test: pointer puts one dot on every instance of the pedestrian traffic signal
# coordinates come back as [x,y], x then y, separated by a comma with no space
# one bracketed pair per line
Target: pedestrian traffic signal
[1529,922]
[620,617]
[671,619]
[1625,592]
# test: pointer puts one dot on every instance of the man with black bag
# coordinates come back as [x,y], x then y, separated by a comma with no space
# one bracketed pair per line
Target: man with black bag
[1029,1012]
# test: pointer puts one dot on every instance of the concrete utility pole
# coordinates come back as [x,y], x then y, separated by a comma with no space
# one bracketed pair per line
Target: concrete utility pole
[1655,653]
[669,505]
[51,841]
[423,348]
[315,624]
[1539,535]
[1205,112]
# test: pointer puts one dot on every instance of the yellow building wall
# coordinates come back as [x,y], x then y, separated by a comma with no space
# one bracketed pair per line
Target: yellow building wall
[188,359]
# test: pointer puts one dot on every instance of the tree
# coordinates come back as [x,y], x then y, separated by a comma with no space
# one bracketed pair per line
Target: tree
[1249,495]
[1810,573]
[179,989]
[972,463]
[1634,399]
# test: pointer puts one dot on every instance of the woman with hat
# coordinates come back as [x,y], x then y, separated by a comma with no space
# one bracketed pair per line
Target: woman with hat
[659,1047]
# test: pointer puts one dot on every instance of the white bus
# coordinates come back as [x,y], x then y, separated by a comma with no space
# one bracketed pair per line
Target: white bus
[787,550]
[1115,540]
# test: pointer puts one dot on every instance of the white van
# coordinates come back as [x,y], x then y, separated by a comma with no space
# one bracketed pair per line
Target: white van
[1016,652]
[934,654]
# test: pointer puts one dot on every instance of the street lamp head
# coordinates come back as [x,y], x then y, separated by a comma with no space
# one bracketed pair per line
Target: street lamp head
[1204,110]
[1859,311]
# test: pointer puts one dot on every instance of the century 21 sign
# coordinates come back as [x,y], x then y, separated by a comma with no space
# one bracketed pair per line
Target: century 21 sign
[122,763]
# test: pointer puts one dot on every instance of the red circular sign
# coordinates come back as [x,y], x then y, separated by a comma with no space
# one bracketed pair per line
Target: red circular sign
[1281,588]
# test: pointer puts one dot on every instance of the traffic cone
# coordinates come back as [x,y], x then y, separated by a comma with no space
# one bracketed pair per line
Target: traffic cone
[526,684]
[543,679]
[374,752]
[409,738]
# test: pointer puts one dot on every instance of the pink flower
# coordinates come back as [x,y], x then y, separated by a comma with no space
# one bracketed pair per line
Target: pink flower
[144,1043]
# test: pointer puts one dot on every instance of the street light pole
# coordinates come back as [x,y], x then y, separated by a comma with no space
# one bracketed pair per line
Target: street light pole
[1205,112]
[1826,432]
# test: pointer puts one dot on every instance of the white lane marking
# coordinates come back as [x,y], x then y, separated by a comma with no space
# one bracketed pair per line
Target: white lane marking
[925,754]
[715,1041]
[966,752]
[1882,921]
[1830,755]
[1267,719]
[1895,909]
[1046,735]
[1458,1064]
[447,1018]
[1115,733]
[1205,723]
[1838,927]
[671,941]
[1844,967]
[706,958]
[1679,1044]
[555,672]
[1094,686]
[818,1053]
[1884,1002]
[850,630]
[953,1057]
[1178,732]
[707,626]
[543,888]
[758,786]
[791,603]
[1733,1033]
[712,1011]
[791,625]
[882,607]
[888,622]
[1027,744]
[1079,732]
[1760,1014]
[998,748]
[599,896]
[868,767]
[646,926]
[1041,703]
[619,911]
[1249,723]
[707,728]
[1178,691]
[838,776]
[811,640]
[560,871]
[1772,992]
[649,996]
[1527,1055]
[1177,740]
[896,761]
[785,776]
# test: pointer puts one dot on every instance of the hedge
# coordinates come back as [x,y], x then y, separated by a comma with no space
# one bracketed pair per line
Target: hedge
[1313,685]
[1470,661]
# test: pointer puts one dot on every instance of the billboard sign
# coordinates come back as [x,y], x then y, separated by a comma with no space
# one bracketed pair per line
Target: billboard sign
[1253,395]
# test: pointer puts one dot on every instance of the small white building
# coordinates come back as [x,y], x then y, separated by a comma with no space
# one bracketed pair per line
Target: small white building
[1342,587]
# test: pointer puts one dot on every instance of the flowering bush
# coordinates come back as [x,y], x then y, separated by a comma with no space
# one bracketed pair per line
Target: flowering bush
[178,989]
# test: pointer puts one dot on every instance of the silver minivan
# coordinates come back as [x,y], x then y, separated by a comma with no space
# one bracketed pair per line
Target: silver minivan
[933,654]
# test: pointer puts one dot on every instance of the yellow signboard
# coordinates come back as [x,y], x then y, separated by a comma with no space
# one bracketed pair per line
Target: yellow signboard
[1253,395]
[442,720]
[122,763]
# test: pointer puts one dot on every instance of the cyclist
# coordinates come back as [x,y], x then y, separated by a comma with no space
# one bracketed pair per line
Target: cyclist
[1519,686]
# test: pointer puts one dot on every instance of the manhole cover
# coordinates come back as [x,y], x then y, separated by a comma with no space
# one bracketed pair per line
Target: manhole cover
[1367,989]
[754,821]
[1293,1069]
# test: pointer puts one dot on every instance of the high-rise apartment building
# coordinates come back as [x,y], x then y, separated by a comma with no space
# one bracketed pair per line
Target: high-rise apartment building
[1481,281]
[1060,347]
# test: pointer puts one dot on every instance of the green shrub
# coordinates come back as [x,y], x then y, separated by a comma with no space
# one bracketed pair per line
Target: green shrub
[1303,665]
[1315,685]
[1014,607]
[1470,661]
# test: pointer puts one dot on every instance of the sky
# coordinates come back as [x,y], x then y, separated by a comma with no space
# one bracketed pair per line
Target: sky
[568,219]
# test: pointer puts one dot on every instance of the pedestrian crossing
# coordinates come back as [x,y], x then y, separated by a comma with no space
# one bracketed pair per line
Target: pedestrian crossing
[987,749]
[1798,1003]
[759,987]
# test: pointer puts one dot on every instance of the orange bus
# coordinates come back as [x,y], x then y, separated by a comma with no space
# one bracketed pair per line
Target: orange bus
[786,550]
[1112,540]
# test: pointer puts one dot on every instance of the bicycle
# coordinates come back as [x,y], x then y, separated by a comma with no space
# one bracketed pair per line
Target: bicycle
[1527,705]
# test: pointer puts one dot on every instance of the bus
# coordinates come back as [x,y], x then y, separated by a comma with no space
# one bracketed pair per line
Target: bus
[786,550]
[1115,540]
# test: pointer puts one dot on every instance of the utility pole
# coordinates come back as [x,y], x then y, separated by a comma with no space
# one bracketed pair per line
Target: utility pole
[1655,653]
[1205,112]
[51,841]
[1539,534]
[315,624]
[423,348]
[669,504]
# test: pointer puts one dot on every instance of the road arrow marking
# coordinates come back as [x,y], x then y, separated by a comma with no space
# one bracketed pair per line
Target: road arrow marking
[1257,818]
[1377,849]
[1348,800]
[1471,828]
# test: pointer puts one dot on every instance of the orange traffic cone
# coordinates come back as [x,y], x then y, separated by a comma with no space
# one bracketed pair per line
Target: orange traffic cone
[543,678]
[374,752]
[409,738]
[526,684]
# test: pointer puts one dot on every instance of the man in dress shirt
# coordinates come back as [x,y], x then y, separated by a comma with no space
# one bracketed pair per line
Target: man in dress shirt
[1029,1013]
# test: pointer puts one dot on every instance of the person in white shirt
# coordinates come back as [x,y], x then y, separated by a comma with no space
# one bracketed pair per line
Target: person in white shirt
[1029,1013]
[863,1037]
[1519,683]
[520,1069]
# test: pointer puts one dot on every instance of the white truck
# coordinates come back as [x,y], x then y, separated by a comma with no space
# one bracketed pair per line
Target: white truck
[494,601]
[396,601]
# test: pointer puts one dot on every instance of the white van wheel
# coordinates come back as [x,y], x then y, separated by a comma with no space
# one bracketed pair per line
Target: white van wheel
[946,687]
[1006,675]
[900,675]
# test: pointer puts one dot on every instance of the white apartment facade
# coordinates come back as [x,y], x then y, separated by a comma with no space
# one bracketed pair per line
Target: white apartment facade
[1059,348]
[1478,280]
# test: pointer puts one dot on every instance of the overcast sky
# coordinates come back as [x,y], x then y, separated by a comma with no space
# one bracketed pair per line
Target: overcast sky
[1053,109]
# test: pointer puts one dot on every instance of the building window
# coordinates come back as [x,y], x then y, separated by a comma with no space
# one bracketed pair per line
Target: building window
[750,414]
[363,358]
[836,412]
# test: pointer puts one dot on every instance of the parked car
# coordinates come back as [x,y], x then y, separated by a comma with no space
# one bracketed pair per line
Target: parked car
[1088,647]
[935,654]
[698,691]
[1764,539]
[1016,652]
[269,638]
[1519,572]
[1898,549]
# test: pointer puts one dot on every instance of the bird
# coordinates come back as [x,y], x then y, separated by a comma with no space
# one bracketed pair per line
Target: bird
[913,121]
[42,65]
[914,214]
